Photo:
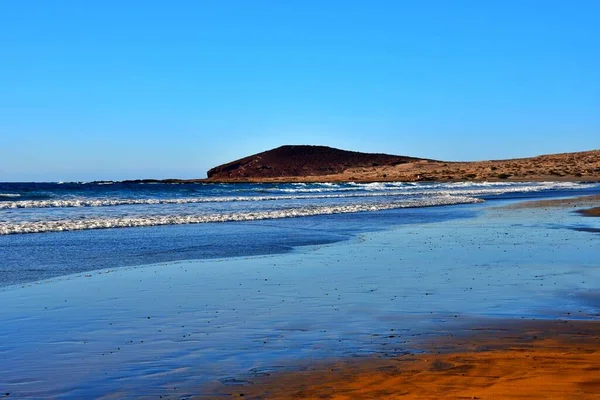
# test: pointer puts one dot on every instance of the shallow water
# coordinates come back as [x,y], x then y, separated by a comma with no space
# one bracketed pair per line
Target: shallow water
[51,207]
[167,329]
[255,219]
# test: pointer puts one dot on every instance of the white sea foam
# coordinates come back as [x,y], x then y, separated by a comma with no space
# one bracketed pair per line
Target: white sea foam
[393,189]
[188,200]
[10,195]
[155,220]
[385,186]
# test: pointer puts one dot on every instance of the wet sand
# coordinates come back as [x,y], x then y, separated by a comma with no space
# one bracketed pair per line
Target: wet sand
[571,202]
[591,212]
[484,359]
[522,360]
[575,202]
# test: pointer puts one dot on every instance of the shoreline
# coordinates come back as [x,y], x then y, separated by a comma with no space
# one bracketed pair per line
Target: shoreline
[498,360]
[308,163]
[484,359]
[329,179]
[567,202]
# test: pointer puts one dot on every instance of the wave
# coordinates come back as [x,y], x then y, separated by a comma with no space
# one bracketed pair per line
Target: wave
[460,189]
[10,195]
[385,186]
[336,187]
[156,220]
[188,200]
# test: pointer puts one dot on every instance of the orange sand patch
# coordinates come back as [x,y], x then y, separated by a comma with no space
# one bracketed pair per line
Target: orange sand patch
[548,360]
[591,212]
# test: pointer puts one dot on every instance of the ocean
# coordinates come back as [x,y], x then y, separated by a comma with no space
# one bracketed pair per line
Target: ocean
[54,229]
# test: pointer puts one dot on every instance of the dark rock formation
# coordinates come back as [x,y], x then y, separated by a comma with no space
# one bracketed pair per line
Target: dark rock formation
[291,161]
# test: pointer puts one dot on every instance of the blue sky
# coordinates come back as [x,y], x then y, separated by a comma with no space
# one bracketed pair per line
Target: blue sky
[135,89]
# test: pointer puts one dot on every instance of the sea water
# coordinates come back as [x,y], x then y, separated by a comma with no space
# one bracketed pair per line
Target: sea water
[54,229]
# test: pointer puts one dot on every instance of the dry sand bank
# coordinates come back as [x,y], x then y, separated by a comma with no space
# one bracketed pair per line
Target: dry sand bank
[524,360]
[572,202]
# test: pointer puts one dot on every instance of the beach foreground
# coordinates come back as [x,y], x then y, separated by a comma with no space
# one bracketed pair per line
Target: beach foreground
[522,360]
[395,301]
[486,359]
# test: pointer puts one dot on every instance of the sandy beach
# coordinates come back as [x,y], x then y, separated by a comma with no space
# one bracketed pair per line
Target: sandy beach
[484,359]
[579,203]
[403,306]
[510,360]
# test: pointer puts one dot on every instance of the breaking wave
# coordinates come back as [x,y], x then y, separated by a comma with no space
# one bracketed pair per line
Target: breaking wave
[155,220]
[393,189]
[383,186]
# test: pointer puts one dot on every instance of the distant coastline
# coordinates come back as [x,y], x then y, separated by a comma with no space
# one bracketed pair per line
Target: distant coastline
[311,164]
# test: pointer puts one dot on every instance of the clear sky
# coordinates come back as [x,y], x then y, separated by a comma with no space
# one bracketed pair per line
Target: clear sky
[137,89]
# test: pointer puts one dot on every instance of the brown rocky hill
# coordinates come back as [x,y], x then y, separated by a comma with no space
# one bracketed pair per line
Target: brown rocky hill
[326,164]
[301,161]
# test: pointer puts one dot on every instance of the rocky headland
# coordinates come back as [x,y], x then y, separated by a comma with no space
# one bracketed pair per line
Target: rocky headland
[325,164]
